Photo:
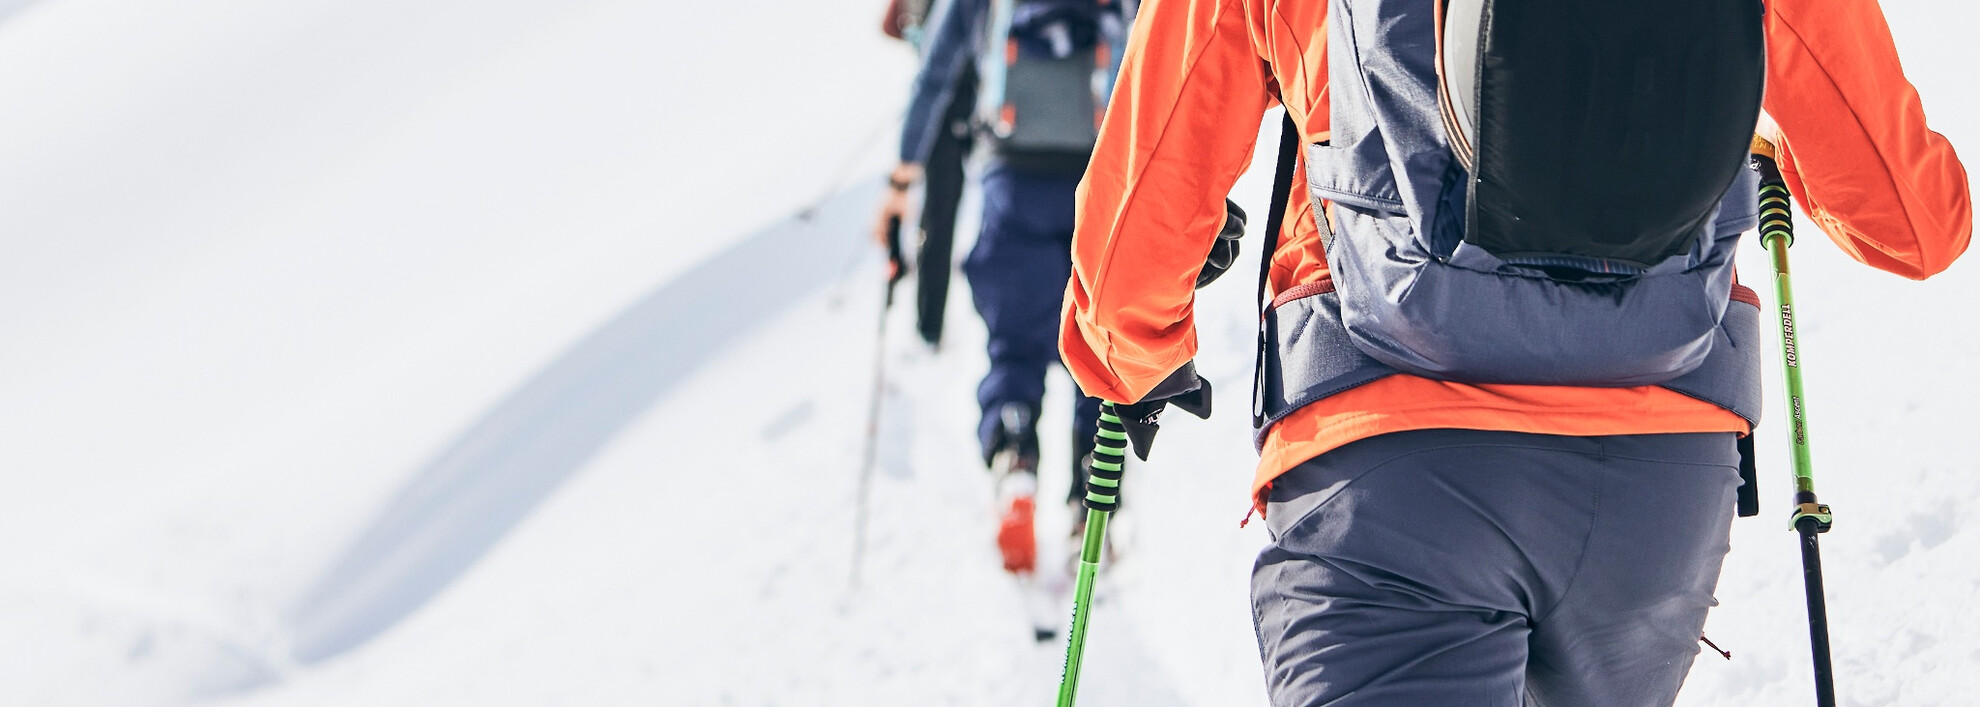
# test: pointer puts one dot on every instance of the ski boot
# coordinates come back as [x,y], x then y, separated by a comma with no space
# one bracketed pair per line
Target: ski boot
[1014,467]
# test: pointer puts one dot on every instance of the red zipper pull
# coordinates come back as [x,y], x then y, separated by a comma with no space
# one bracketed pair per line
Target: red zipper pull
[1715,647]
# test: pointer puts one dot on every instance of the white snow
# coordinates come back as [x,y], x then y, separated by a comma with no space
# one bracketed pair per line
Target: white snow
[431,352]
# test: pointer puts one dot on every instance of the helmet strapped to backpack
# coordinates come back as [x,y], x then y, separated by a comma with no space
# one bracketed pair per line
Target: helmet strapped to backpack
[1606,131]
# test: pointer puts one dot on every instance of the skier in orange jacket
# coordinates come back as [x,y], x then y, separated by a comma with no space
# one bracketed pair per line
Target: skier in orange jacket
[1853,146]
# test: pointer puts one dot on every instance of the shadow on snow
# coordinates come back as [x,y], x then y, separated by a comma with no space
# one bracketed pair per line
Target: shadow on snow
[491,476]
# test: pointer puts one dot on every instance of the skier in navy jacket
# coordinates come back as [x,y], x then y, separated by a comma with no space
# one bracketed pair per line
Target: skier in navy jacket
[1021,260]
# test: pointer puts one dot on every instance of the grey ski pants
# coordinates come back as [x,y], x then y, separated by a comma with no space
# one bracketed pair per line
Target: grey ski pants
[1463,567]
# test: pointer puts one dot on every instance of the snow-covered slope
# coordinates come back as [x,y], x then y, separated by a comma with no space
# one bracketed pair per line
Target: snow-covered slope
[445,353]
[263,264]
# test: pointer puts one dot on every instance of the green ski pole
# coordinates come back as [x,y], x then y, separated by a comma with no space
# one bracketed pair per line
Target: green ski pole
[1811,518]
[1103,495]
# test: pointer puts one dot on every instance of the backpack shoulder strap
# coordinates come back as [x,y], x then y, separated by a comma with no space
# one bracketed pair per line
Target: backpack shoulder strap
[1275,218]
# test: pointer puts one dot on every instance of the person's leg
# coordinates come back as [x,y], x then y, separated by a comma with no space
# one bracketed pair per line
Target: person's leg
[1425,567]
[1627,631]
[1386,585]
[1017,275]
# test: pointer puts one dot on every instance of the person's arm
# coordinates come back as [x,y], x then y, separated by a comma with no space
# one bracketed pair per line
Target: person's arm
[949,51]
[1179,131]
[951,46]
[1854,146]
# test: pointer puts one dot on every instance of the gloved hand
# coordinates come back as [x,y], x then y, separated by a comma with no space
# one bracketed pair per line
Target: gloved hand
[894,205]
[1184,389]
[1225,251]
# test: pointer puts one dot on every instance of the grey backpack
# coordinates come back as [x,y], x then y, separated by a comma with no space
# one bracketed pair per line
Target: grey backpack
[1539,191]
[1048,68]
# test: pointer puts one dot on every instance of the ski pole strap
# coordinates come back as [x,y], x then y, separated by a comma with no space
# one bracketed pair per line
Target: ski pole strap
[1103,477]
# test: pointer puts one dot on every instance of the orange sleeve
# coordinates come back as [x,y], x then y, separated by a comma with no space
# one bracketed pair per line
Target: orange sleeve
[1178,132]
[1855,149]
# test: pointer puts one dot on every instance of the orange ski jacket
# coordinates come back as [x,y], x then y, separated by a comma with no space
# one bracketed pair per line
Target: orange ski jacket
[1196,81]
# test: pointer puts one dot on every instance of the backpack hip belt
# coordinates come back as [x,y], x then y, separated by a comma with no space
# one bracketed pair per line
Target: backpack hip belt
[1309,356]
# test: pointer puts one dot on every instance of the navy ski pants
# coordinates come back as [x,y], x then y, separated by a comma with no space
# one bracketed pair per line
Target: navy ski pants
[1460,567]
[1017,276]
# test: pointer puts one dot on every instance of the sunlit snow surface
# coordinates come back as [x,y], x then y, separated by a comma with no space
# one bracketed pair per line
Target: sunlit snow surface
[519,353]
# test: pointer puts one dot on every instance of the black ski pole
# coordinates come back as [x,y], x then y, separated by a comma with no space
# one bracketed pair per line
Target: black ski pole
[896,269]
[1811,518]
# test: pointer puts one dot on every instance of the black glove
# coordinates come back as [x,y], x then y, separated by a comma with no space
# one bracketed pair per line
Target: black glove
[1183,389]
[1224,252]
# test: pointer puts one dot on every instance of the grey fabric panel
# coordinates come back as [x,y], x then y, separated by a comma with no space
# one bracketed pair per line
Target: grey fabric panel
[1313,359]
[1053,101]
[1448,567]
[1388,148]
[1370,188]
[1468,319]
[1473,317]
[1730,376]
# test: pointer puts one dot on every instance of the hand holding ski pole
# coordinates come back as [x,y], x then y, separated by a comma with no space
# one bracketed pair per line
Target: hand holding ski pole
[1133,426]
[894,208]
[1121,427]
[1183,389]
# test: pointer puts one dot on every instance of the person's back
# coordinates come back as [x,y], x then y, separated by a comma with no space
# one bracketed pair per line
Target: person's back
[1443,533]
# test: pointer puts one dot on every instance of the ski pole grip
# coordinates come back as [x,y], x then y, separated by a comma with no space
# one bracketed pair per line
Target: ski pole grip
[1103,477]
[1775,217]
[896,261]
